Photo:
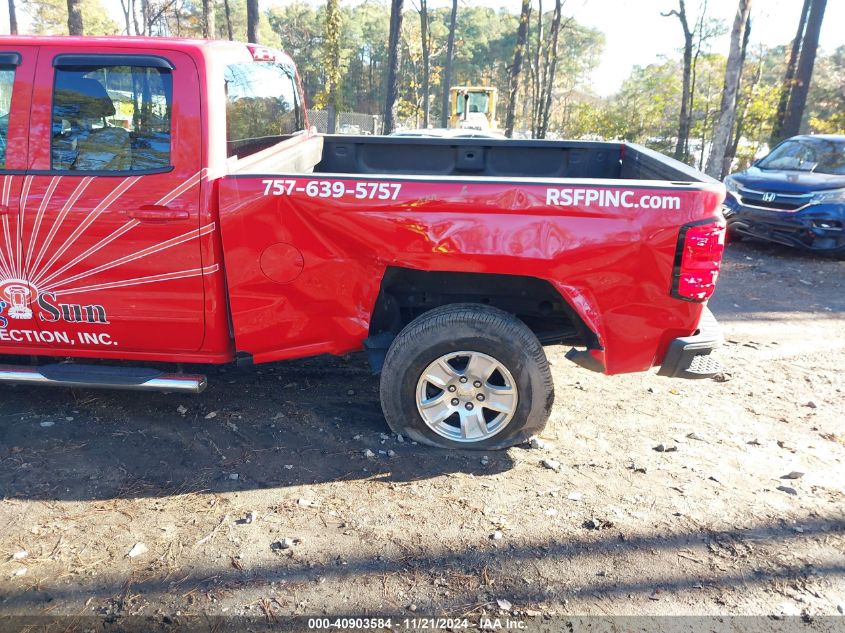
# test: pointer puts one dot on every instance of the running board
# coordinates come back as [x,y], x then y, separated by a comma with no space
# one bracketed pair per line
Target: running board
[101,377]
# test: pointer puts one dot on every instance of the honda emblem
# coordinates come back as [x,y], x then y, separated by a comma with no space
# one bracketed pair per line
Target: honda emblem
[769,196]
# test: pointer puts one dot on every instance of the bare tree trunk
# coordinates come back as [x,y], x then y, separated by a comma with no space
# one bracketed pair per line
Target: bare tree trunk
[13,18]
[537,83]
[516,68]
[426,60]
[531,85]
[126,7]
[228,20]
[789,77]
[208,19]
[331,49]
[415,86]
[177,17]
[447,70]
[526,101]
[716,166]
[804,73]
[74,17]
[684,119]
[252,18]
[157,15]
[739,125]
[138,31]
[146,22]
[550,73]
[393,52]
[371,89]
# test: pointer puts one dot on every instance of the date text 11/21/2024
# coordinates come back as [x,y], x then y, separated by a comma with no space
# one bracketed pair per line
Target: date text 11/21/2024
[418,624]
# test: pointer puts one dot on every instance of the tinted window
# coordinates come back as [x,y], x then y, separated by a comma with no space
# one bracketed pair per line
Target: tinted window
[263,106]
[477,102]
[7,81]
[113,118]
[820,155]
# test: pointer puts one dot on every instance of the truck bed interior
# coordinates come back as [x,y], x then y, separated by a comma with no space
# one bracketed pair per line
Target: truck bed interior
[506,158]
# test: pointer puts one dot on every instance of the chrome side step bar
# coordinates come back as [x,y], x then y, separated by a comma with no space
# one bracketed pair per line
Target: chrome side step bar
[101,377]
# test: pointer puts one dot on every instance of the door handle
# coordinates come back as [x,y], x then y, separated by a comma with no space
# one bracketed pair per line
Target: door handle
[155,213]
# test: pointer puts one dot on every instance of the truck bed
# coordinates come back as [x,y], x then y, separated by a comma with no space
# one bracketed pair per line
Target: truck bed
[496,158]
[311,232]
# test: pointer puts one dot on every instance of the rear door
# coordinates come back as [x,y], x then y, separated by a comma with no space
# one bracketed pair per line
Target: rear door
[112,230]
[17,67]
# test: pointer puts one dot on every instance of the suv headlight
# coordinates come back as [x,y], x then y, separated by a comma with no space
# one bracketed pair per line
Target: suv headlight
[731,185]
[834,195]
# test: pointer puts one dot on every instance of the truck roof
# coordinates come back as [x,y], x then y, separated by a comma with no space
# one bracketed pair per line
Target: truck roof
[195,47]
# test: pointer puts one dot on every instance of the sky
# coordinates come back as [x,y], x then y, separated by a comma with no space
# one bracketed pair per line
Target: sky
[635,32]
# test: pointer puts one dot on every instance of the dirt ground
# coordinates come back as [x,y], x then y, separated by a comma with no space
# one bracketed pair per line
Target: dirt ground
[258,498]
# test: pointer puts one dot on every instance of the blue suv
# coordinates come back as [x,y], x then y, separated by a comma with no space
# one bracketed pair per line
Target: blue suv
[793,196]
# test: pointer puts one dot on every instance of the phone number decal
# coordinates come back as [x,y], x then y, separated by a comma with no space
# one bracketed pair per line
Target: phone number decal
[332,189]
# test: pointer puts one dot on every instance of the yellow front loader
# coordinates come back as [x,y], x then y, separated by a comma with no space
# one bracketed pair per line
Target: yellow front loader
[472,107]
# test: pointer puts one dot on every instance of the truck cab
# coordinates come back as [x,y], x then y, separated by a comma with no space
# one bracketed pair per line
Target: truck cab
[107,173]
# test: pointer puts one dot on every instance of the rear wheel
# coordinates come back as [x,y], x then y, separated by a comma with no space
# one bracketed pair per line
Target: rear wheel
[467,376]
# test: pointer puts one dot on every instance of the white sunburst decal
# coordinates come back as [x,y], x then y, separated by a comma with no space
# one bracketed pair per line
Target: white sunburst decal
[26,274]
[7,268]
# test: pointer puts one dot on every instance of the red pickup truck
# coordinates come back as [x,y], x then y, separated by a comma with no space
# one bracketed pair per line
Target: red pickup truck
[166,201]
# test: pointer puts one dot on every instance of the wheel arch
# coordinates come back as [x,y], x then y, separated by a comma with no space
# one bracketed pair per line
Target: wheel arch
[406,293]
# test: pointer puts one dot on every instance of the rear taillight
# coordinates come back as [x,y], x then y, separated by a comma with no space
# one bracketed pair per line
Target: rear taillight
[697,260]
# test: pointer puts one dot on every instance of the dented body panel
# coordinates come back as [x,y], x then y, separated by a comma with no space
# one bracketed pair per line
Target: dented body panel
[281,254]
[612,265]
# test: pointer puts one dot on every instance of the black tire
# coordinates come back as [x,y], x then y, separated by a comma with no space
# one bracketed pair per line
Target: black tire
[732,237]
[476,328]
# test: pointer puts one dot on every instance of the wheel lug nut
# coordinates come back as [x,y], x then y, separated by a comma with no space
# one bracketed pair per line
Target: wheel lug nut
[469,406]
[463,378]
[455,402]
[480,397]
[452,388]
[477,384]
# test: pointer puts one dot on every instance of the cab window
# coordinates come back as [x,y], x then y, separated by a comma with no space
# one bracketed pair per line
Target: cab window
[7,82]
[477,102]
[263,106]
[111,118]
